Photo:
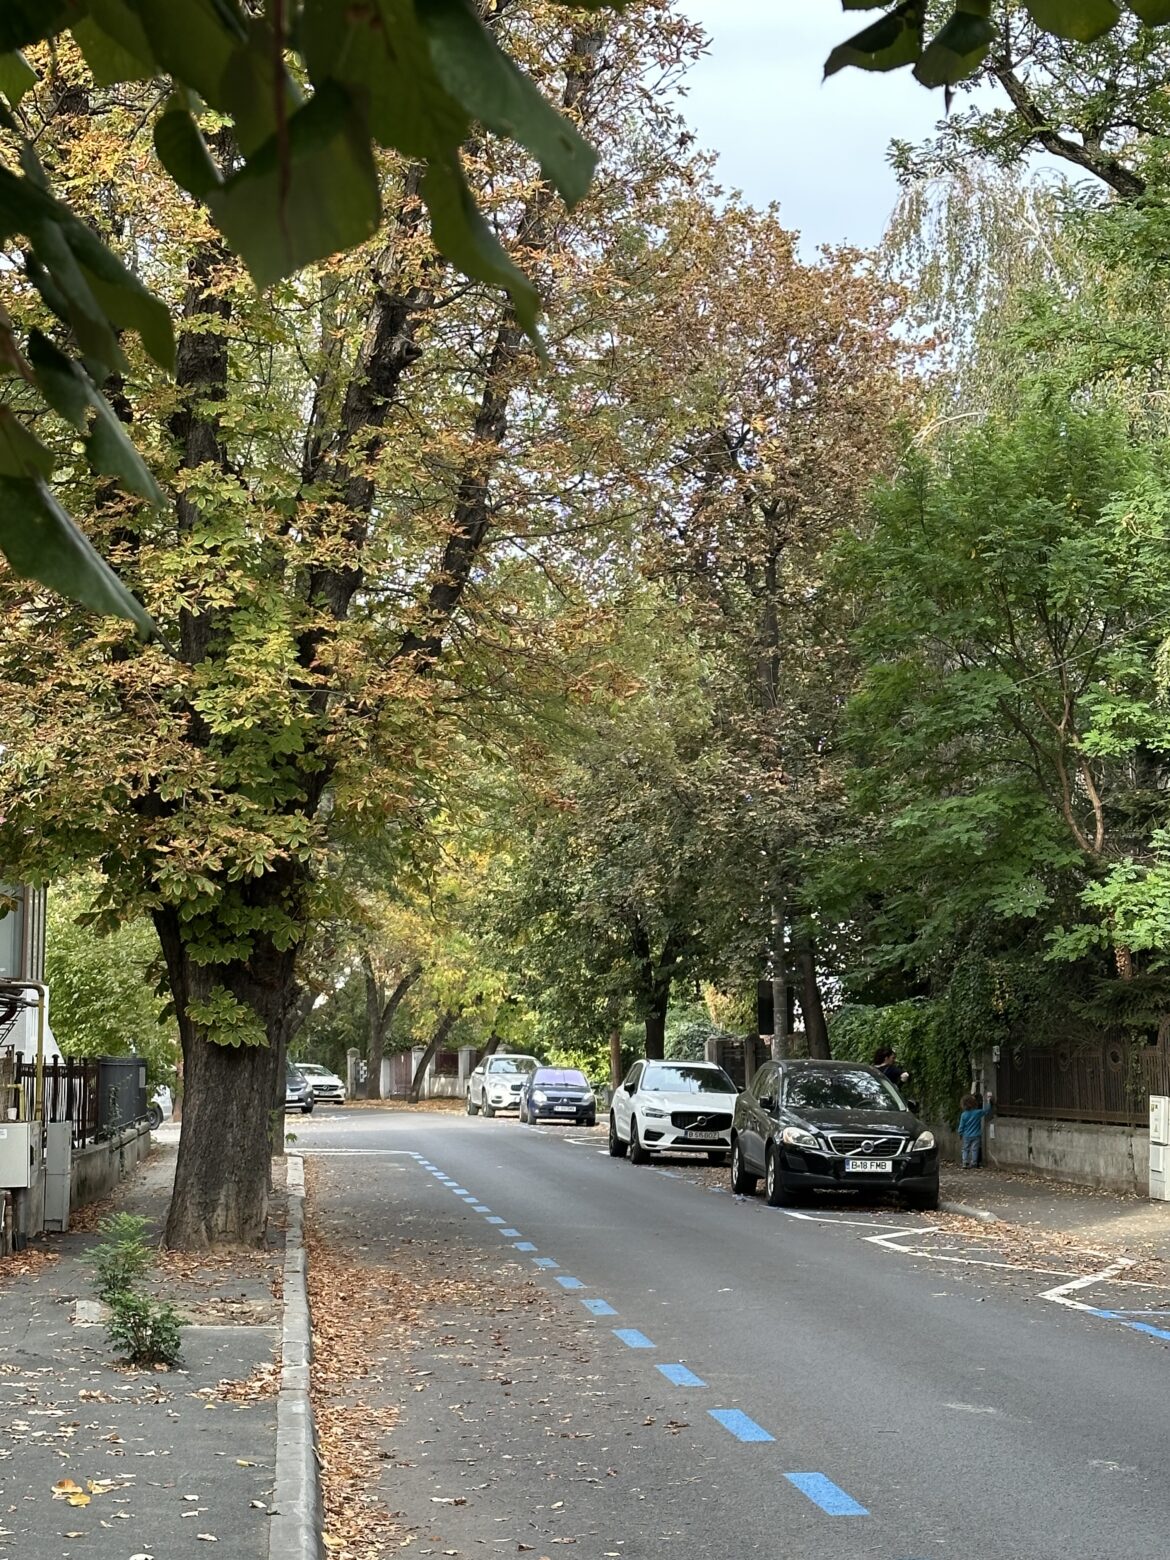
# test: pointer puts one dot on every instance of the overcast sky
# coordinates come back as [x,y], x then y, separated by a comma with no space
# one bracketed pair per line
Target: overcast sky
[820,150]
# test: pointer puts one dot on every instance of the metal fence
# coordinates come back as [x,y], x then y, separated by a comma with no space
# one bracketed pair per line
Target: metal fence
[1107,1081]
[71,1091]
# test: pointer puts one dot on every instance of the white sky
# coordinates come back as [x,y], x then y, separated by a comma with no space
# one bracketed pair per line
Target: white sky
[819,150]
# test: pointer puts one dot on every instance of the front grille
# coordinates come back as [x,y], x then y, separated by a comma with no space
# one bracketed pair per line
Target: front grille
[564,1099]
[699,1121]
[861,1145]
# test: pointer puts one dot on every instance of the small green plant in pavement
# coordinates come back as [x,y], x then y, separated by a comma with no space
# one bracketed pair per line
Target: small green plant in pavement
[123,1257]
[144,1331]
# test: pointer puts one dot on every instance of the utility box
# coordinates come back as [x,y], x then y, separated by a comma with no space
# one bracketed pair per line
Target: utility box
[1160,1147]
[121,1092]
[58,1174]
[16,1154]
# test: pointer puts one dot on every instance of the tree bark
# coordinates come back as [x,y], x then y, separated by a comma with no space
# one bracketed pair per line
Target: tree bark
[816,1031]
[779,977]
[656,1025]
[615,1058]
[445,1025]
[233,1096]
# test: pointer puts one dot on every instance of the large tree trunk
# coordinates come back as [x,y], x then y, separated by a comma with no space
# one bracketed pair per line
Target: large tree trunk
[233,1096]
[445,1026]
[816,1031]
[656,1025]
[780,1023]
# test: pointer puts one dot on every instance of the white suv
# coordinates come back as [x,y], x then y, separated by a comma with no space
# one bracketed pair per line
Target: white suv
[672,1107]
[497,1082]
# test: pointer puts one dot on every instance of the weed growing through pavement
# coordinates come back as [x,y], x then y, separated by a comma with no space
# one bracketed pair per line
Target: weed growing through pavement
[142,1330]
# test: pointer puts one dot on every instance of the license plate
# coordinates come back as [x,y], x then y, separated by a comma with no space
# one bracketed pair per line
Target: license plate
[705,1137]
[568,1110]
[869,1166]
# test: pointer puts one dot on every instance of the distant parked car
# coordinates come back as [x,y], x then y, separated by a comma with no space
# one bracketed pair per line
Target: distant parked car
[160,1109]
[325,1084]
[298,1091]
[833,1126]
[672,1107]
[562,1093]
[497,1082]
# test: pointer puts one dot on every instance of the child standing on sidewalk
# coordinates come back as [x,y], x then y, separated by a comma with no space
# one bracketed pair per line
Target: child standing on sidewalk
[974,1113]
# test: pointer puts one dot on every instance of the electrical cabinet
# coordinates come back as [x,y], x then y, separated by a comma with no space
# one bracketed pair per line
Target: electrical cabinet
[16,1154]
[1160,1147]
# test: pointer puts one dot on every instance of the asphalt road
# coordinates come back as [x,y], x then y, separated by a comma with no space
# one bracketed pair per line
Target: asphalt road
[838,1398]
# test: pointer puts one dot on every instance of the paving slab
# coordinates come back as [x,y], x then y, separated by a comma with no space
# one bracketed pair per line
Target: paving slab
[166,1463]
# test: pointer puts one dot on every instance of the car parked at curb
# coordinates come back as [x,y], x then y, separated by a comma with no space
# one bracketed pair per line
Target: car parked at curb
[298,1091]
[558,1094]
[809,1126]
[496,1084]
[325,1084]
[161,1107]
[672,1107]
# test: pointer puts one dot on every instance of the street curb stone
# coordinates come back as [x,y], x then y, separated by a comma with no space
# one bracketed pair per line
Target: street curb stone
[295,1530]
[984,1215]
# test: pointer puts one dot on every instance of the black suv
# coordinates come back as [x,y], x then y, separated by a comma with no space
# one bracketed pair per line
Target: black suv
[838,1126]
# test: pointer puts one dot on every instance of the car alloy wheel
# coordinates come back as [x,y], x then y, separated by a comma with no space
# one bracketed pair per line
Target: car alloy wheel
[741,1182]
[639,1155]
[472,1110]
[488,1110]
[617,1148]
[154,1118]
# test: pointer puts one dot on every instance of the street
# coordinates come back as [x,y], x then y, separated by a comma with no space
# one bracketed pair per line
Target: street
[637,1362]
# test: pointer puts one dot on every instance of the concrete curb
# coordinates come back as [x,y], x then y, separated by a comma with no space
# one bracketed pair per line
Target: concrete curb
[984,1215]
[295,1530]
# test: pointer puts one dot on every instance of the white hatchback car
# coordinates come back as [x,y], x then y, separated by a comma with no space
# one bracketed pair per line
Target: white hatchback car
[672,1107]
[497,1082]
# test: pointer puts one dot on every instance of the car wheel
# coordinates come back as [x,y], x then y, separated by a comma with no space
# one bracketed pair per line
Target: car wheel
[154,1118]
[617,1149]
[523,1114]
[488,1110]
[716,1156]
[639,1155]
[591,1121]
[742,1184]
[777,1194]
[307,1110]
[472,1110]
[924,1202]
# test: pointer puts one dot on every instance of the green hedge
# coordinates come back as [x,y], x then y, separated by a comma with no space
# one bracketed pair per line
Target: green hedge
[927,1046]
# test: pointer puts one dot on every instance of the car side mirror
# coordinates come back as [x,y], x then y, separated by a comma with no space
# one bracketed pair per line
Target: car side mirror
[629,1087]
[767,1103]
[913,1107]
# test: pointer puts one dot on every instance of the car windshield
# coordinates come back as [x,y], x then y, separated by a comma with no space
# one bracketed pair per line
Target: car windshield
[687,1080]
[563,1077]
[511,1064]
[312,1067]
[840,1089]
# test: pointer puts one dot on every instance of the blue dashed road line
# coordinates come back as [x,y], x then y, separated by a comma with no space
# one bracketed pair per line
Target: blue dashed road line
[480,1208]
[545,1262]
[460,1191]
[830,1497]
[632,1338]
[507,1234]
[599,1308]
[495,1219]
[569,1283]
[741,1427]
[679,1374]
[525,1245]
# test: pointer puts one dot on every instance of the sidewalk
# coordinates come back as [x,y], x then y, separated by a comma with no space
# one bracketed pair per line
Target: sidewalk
[173,1461]
[1108,1221]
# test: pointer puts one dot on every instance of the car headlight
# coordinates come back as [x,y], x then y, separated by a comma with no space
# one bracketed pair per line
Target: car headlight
[588,1098]
[797,1137]
[656,1111]
[922,1142]
[539,1097]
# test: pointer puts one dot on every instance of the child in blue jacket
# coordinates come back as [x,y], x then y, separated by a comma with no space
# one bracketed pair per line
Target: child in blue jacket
[971,1129]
